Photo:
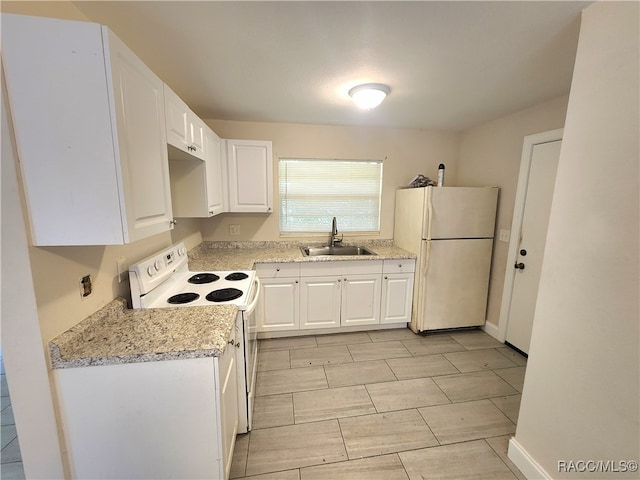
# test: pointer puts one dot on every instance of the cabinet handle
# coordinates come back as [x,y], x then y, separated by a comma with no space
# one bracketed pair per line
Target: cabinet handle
[277,269]
[386,278]
[173,222]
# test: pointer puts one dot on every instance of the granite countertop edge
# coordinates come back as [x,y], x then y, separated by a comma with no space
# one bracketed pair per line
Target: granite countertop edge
[116,335]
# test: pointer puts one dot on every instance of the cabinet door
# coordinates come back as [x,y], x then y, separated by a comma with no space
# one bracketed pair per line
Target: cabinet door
[397,295]
[214,173]
[279,304]
[250,174]
[228,394]
[197,130]
[360,300]
[137,99]
[177,121]
[320,302]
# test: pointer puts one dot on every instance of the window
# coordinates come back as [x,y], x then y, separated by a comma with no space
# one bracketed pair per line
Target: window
[313,191]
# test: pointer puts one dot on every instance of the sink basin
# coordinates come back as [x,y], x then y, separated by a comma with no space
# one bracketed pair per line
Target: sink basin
[340,250]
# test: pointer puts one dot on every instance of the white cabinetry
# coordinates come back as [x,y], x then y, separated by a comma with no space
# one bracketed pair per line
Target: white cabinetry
[360,300]
[196,185]
[185,130]
[340,294]
[250,175]
[320,301]
[173,419]
[397,291]
[279,307]
[90,130]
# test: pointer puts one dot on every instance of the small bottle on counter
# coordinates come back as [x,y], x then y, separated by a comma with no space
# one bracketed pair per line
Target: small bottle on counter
[441,175]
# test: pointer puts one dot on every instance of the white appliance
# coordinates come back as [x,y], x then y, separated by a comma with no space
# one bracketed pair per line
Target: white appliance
[450,229]
[163,280]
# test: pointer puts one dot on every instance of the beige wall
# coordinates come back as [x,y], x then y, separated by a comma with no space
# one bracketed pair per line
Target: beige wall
[490,155]
[581,392]
[405,153]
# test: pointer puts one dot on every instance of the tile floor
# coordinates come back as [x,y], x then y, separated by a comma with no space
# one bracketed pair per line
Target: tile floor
[11,467]
[383,405]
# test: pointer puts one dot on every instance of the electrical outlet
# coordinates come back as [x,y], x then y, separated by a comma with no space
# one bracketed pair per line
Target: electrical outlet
[234,229]
[504,235]
[121,268]
[86,286]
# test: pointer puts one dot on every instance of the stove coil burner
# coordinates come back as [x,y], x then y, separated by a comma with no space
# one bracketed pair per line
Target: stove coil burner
[224,295]
[236,276]
[200,278]
[182,298]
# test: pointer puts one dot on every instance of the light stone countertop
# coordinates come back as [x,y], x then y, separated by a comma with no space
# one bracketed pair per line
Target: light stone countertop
[244,255]
[115,334]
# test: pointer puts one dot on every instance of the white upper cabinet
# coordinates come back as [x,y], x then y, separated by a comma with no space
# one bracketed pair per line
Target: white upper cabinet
[90,131]
[196,185]
[215,173]
[250,175]
[185,130]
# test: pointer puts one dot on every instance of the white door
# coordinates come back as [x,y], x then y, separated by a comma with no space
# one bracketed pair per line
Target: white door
[279,304]
[532,238]
[250,170]
[397,293]
[360,303]
[138,97]
[320,302]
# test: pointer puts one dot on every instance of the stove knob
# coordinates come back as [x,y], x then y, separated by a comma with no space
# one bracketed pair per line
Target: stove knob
[157,265]
[151,271]
[182,251]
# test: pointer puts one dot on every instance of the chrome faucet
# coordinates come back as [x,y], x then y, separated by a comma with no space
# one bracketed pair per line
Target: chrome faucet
[333,241]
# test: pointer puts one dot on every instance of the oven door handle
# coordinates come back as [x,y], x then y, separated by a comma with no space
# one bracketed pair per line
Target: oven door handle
[256,295]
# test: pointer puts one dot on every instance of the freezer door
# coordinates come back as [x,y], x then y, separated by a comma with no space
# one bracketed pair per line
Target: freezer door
[453,284]
[460,212]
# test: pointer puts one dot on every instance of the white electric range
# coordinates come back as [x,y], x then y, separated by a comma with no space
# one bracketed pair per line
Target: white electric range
[163,280]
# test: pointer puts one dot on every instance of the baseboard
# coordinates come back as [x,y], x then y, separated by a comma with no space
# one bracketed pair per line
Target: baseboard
[491,329]
[527,465]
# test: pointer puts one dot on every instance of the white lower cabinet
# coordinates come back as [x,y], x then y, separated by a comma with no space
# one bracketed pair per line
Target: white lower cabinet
[397,291]
[279,304]
[174,419]
[320,301]
[360,300]
[334,295]
[340,294]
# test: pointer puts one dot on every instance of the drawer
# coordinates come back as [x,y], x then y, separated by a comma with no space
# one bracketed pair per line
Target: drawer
[277,270]
[399,266]
[340,267]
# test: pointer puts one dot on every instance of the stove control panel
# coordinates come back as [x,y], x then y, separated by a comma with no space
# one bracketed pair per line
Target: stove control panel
[152,271]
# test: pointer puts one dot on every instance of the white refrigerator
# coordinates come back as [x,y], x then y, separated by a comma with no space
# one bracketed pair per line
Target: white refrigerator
[450,229]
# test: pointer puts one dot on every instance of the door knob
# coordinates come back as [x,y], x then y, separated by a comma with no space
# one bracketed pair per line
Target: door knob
[519,265]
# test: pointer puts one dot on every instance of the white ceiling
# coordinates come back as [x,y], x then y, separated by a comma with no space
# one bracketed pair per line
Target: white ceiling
[450,65]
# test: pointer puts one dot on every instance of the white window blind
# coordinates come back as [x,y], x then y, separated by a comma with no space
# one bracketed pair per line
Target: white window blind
[313,191]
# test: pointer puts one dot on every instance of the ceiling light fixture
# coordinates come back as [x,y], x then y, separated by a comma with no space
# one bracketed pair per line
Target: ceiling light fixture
[369,95]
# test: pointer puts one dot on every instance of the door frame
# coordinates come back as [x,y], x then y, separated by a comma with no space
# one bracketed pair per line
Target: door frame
[530,141]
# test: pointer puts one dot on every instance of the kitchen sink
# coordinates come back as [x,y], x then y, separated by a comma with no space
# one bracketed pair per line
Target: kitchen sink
[339,250]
